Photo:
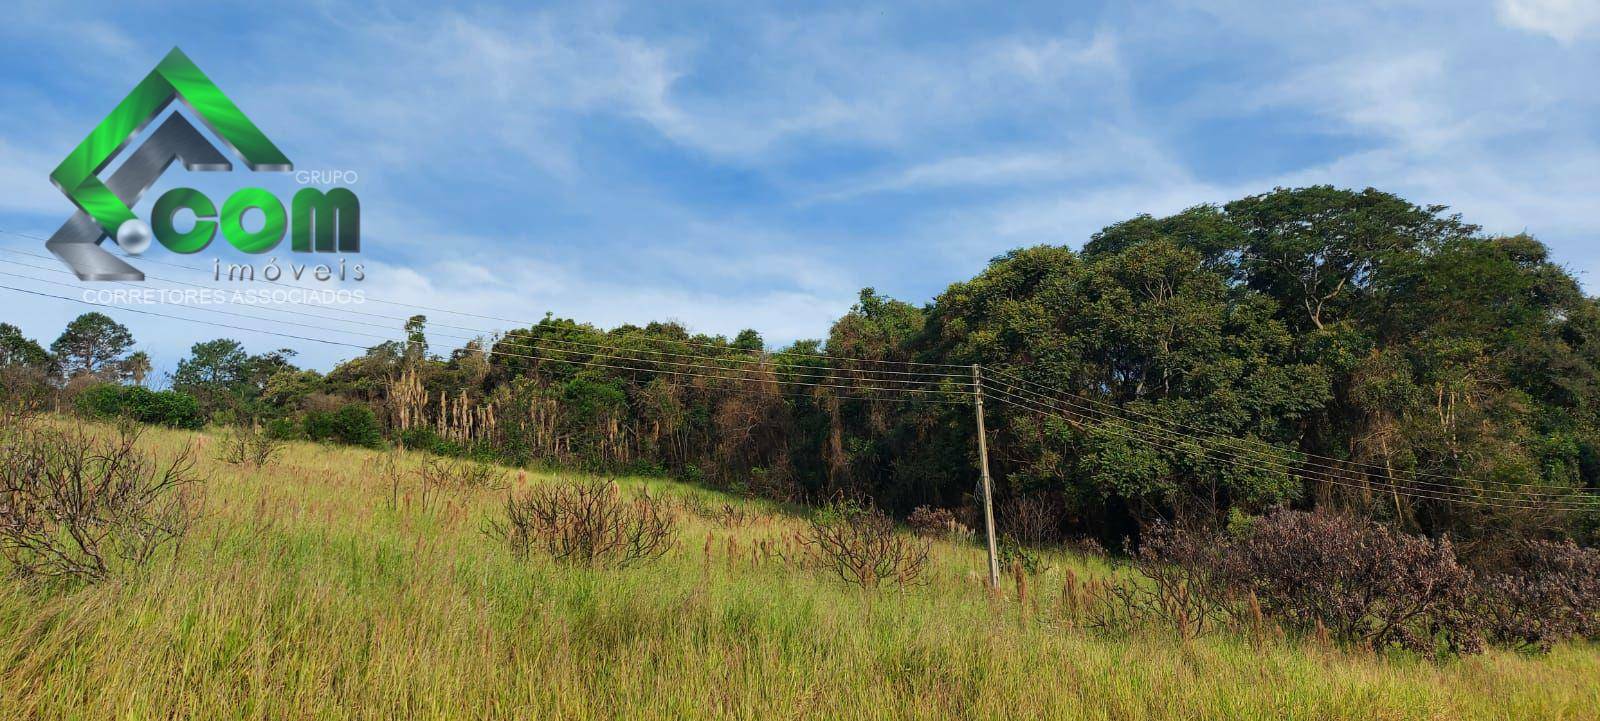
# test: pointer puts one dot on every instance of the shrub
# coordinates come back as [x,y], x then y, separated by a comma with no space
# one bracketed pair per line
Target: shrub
[424,438]
[930,522]
[777,484]
[440,472]
[859,544]
[586,522]
[167,408]
[23,385]
[1177,586]
[421,438]
[1552,595]
[1015,554]
[253,446]
[1354,581]
[1362,582]
[387,467]
[1032,520]
[731,516]
[77,507]
[352,424]
[284,429]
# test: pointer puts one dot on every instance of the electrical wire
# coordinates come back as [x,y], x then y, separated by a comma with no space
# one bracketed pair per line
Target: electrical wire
[1275,453]
[1265,455]
[547,359]
[533,344]
[1332,475]
[1069,397]
[1009,393]
[518,337]
[1331,478]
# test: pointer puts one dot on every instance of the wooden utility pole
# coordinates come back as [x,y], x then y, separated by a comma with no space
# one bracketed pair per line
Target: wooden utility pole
[988,486]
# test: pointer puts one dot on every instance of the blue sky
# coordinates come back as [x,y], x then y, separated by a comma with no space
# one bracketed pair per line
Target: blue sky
[748,165]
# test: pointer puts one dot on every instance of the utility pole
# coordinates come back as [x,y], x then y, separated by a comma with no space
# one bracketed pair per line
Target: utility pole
[988,486]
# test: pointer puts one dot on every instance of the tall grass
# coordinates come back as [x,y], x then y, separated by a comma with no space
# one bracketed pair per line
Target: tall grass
[315,588]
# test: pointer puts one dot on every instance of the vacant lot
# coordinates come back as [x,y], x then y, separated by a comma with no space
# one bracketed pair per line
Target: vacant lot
[322,586]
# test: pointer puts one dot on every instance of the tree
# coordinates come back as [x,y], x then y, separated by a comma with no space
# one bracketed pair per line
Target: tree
[748,339]
[1318,248]
[136,367]
[93,344]
[416,338]
[213,364]
[223,376]
[1142,320]
[260,368]
[19,350]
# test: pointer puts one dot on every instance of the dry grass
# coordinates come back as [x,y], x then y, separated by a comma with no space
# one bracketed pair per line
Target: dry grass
[316,588]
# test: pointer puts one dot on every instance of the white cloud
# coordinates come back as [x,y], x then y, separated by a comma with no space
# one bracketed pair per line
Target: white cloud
[1565,20]
[1100,154]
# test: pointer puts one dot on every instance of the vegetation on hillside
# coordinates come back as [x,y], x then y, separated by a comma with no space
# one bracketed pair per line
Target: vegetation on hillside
[412,565]
[343,582]
[1386,340]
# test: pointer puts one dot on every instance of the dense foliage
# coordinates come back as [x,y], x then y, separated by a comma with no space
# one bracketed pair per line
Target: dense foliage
[166,408]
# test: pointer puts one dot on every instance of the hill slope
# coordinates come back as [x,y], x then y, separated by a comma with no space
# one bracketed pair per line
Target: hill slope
[318,588]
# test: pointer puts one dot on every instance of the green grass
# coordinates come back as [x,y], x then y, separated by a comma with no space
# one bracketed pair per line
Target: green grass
[304,593]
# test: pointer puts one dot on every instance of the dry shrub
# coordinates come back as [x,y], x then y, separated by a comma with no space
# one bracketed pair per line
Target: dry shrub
[1032,520]
[696,505]
[930,522]
[1361,582]
[24,388]
[77,507]
[860,545]
[1552,594]
[776,483]
[726,515]
[249,446]
[387,468]
[586,522]
[452,473]
[733,516]
[1176,587]
[1351,581]
[1087,546]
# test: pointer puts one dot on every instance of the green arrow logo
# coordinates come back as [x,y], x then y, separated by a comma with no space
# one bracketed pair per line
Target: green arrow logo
[176,77]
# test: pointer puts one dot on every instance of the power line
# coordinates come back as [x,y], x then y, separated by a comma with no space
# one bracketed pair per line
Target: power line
[533,344]
[1289,467]
[1010,393]
[1276,453]
[1164,440]
[744,378]
[1332,478]
[1069,397]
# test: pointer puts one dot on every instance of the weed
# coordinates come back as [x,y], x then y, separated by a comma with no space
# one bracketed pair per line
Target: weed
[586,522]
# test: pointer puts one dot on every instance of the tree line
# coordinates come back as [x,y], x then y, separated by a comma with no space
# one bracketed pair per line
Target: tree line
[1390,340]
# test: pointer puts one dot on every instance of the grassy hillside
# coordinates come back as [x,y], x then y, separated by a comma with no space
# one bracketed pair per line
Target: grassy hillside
[315,589]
